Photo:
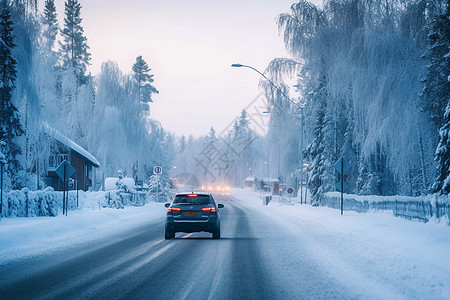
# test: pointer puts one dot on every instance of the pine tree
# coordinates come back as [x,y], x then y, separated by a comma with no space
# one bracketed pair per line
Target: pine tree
[182,144]
[10,126]
[74,48]
[315,153]
[211,136]
[50,21]
[157,189]
[436,92]
[141,74]
[442,184]
[316,150]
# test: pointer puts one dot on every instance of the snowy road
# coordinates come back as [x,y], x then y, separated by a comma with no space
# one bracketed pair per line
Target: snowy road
[259,256]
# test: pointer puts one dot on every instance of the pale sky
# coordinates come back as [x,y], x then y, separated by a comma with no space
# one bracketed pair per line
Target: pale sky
[190,46]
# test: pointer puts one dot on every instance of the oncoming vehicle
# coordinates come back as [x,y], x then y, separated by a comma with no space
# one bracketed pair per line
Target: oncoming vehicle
[193,212]
[222,189]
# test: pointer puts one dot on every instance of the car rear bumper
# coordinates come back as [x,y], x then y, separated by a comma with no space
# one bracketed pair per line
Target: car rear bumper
[211,225]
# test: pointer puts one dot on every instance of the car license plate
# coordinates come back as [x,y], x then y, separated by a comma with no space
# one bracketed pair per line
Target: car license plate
[191,213]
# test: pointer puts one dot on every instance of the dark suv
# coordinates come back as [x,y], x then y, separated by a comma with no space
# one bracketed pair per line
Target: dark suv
[193,212]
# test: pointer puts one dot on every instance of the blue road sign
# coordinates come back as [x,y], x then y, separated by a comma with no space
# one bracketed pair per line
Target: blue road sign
[66,168]
[343,184]
[342,166]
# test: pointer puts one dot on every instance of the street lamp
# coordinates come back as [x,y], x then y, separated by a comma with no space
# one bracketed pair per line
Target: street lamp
[294,103]
[268,168]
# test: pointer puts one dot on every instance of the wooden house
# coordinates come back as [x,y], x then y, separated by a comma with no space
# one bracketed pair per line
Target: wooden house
[62,148]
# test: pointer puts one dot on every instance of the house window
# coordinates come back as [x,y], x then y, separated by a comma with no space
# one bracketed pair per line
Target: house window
[56,159]
[88,169]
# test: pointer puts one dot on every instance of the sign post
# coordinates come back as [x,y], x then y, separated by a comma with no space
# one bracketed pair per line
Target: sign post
[290,191]
[65,171]
[342,166]
[157,170]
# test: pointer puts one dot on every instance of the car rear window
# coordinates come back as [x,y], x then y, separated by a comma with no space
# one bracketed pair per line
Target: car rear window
[199,200]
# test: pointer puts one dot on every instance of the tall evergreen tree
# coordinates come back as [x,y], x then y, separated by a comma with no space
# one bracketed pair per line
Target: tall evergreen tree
[182,144]
[442,184]
[50,21]
[211,136]
[317,151]
[141,73]
[74,48]
[10,126]
[437,86]
[315,154]
[436,92]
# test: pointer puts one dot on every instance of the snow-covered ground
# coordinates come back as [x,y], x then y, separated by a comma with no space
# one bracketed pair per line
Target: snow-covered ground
[375,254]
[368,250]
[22,237]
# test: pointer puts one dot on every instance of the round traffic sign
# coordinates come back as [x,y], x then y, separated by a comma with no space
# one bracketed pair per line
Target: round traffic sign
[157,170]
[290,190]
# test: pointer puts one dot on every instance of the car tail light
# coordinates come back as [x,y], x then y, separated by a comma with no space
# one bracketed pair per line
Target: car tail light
[192,195]
[211,209]
[171,209]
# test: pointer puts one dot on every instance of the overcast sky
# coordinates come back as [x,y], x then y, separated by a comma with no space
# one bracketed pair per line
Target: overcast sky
[189,45]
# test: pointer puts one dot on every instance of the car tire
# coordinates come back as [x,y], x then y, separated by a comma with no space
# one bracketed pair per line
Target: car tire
[216,234]
[169,235]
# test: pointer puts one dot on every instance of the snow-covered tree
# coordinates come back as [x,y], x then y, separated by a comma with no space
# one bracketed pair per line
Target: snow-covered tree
[10,126]
[436,93]
[369,52]
[73,47]
[316,151]
[141,73]
[442,184]
[182,144]
[212,138]
[158,188]
[50,22]
[437,88]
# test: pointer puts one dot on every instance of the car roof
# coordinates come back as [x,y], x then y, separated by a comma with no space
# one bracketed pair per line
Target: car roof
[190,193]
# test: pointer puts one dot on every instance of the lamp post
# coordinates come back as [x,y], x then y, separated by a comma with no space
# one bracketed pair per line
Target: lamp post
[301,125]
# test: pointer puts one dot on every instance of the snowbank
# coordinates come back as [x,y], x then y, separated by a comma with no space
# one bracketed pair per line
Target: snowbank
[47,202]
[21,237]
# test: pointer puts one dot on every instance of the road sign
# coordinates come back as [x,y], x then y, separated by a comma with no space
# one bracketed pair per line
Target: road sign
[65,170]
[343,184]
[290,191]
[342,166]
[157,170]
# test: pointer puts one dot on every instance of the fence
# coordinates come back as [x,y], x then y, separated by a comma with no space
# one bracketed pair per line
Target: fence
[422,208]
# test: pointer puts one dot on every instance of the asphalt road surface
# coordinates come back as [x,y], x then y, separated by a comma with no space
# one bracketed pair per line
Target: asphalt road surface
[254,259]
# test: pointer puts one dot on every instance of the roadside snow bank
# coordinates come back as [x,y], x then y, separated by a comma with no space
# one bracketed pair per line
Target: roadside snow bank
[376,254]
[47,202]
[22,237]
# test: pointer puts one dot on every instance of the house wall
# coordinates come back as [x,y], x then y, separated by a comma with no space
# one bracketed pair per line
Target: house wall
[79,163]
